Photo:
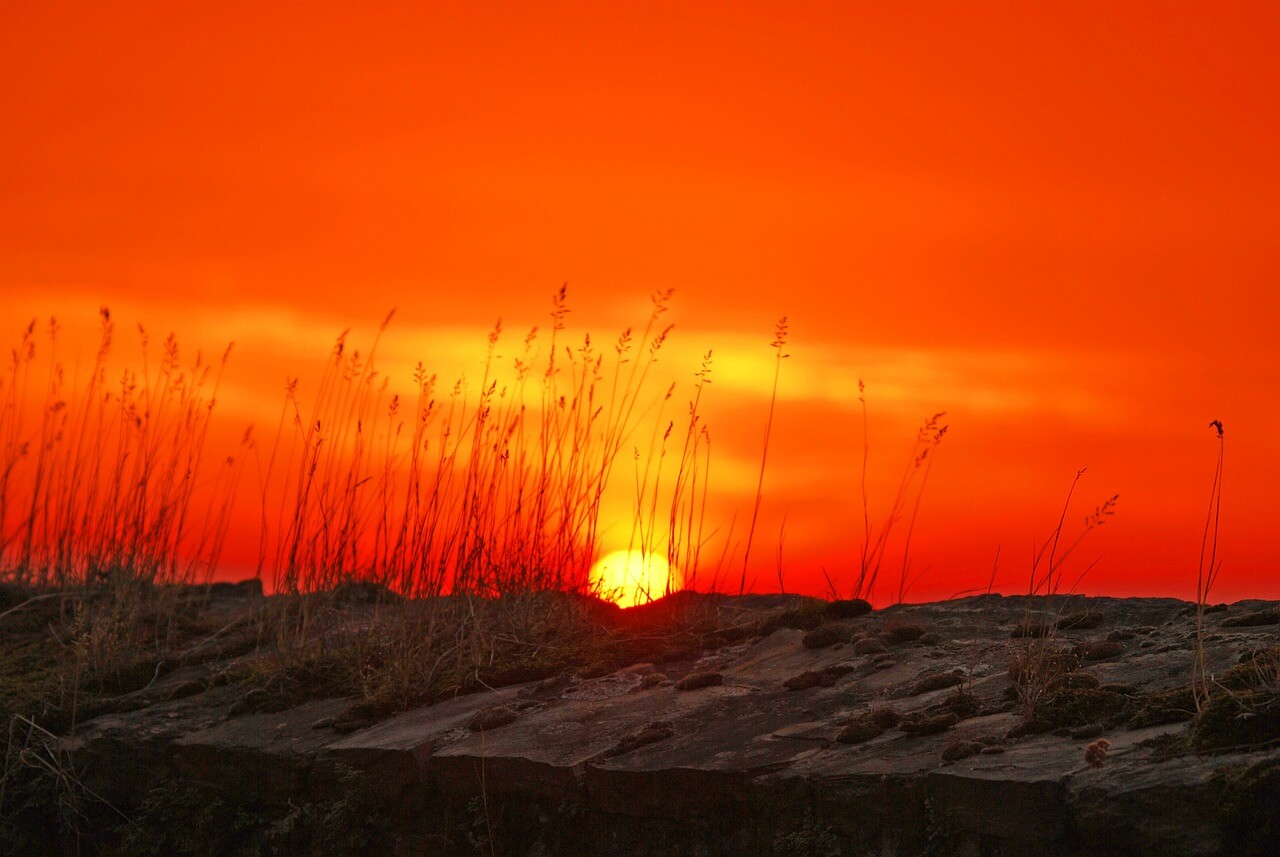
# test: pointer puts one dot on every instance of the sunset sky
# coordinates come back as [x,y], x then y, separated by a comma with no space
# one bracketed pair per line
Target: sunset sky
[1055,222]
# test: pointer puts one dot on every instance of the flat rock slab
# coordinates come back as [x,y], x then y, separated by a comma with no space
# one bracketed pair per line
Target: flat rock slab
[263,757]
[737,751]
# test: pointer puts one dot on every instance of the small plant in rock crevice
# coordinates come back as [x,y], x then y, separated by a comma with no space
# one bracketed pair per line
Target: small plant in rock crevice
[1040,666]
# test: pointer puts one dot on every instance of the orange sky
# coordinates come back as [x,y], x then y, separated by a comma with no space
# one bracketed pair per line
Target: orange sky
[1056,224]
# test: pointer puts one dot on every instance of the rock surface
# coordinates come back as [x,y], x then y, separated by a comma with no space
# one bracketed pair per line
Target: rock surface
[761,762]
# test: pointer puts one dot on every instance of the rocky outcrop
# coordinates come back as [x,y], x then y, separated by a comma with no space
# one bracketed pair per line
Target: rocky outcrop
[1078,749]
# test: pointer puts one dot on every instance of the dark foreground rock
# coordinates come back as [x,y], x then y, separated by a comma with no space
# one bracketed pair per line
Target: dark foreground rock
[953,734]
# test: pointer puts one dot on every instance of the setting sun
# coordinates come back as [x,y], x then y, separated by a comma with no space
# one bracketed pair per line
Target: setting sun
[630,577]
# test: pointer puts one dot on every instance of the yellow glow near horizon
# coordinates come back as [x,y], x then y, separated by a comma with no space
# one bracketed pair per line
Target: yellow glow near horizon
[629,578]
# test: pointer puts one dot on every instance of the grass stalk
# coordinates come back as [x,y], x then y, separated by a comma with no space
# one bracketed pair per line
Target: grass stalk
[1207,573]
[778,344]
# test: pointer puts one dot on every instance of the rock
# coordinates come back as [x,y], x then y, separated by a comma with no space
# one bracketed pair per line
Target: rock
[1099,650]
[746,764]
[659,730]
[263,758]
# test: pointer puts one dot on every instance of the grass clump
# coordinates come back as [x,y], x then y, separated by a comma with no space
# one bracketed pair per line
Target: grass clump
[826,635]
[847,608]
[869,724]
[698,680]
[1038,671]
[937,681]
[492,718]
[1079,622]
[1073,707]
[1250,801]
[1157,709]
[869,646]
[805,617]
[1256,619]
[825,677]
[1237,720]
[899,630]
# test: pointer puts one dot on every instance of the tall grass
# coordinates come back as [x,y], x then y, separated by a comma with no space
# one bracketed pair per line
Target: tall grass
[1048,559]
[915,478]
[494,484]
[105,480]
[686,535]
[668,522]
[494,487]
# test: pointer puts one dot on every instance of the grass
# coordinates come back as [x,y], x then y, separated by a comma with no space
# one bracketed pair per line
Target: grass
[103,480]
[488,489]
[1041,671]
[489,486]
[778,344]
[912,485]
[1240,707]
[1206,573]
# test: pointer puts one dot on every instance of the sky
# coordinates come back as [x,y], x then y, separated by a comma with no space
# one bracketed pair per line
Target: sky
[1054,223]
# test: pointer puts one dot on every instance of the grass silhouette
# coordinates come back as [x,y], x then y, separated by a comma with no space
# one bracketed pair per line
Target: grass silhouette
[485,490]
[103,480]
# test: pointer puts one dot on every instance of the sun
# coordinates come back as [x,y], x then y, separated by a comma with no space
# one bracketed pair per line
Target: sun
[631,577]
